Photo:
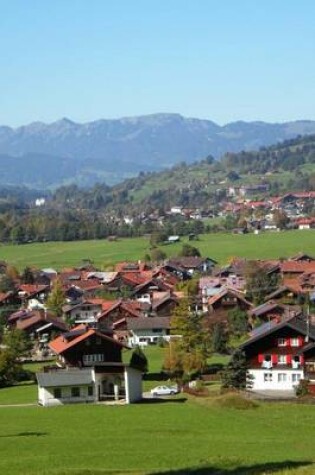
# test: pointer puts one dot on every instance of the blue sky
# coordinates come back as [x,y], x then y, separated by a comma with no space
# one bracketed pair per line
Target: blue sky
[222,60]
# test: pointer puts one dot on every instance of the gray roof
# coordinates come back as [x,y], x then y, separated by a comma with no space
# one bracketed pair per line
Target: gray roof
[148,323]
[297,323]
[65,378]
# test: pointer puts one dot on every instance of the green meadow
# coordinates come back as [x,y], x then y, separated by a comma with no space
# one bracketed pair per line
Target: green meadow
[105,254]
[176,436]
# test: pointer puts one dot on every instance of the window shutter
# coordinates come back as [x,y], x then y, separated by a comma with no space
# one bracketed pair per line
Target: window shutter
[274,359]
[260,358]
[289,359]
[302,359]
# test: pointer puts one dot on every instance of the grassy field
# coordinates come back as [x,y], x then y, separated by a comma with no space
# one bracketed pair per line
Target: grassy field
[149,438]
[191,436]
[103,253]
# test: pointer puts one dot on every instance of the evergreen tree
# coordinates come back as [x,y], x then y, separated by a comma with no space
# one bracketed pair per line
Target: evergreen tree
[235,375]
[139,360]
[219,338]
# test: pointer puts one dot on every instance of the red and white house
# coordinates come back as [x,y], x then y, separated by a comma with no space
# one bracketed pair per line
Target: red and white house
[275,354]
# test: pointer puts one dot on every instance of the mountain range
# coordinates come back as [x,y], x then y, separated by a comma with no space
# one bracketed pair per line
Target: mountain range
[47,155]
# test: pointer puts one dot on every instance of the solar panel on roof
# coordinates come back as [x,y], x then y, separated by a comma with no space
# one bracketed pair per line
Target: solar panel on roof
[74,333]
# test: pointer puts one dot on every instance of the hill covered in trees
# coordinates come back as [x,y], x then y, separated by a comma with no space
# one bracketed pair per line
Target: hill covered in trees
[134,207]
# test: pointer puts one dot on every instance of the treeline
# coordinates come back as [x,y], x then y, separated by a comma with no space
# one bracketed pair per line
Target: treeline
[286,156]
[71,225]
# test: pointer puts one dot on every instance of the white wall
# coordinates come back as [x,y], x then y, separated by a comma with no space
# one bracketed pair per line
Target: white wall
[133,385]
[46,396]
[260,384]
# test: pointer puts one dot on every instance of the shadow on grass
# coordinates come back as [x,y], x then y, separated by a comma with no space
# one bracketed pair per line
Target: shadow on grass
[259,469]
[161,400]
[26,434]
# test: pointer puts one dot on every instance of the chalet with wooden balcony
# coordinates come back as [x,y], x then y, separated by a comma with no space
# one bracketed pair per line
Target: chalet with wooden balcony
[220,304]
[90,370]
[276,353]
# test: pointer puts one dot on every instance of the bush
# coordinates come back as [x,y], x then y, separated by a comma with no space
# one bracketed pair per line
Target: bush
[302,388]
[234,401]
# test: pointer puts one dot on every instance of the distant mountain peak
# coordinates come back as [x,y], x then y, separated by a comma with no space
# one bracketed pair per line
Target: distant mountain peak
[111,149]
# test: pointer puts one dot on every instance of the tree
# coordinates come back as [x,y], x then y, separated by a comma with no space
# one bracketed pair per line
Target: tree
[27,276]
[219,338]
[188,353]
[139,360]
[238,322]
[18,342]
[56,298]
[280,219]
[235,375]
[189,251]
[7,284]
[15,344]
[258,282]
[157,255]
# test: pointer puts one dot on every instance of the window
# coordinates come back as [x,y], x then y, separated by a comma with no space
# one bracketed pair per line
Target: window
[90,391]
[267,377]
[282,342]
[282,377]
[57,393]
[267,363]
[295,342]
[296,377]
[282,359]
[75,392]
[94,358]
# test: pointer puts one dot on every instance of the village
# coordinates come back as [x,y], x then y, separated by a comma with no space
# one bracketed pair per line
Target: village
[85,318]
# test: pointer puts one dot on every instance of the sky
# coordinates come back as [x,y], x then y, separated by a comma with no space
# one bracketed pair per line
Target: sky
[222,60]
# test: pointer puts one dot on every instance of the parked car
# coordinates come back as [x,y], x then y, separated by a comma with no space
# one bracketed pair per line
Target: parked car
[164,390]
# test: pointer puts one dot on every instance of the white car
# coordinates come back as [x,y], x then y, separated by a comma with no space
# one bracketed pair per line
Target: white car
[164,390]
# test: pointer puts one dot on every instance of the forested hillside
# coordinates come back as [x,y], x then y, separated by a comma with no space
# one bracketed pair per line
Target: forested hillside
[74,213]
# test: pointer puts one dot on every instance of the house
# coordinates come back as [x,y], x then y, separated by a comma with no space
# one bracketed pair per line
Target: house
[275,354]
[192,264]
[39,325]
[271,310]
[31,291]
[284,294]
[82,312]
[221,303]
[146,331]
[91,370]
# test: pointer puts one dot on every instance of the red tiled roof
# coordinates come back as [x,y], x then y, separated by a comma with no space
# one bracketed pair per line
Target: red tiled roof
[61,344]
[298,267]
[32,288]
[37,316]
[88,284]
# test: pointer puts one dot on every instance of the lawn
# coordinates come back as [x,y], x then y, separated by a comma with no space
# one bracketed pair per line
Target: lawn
[191,436]
[21,394]
[154,437]
[104,253]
